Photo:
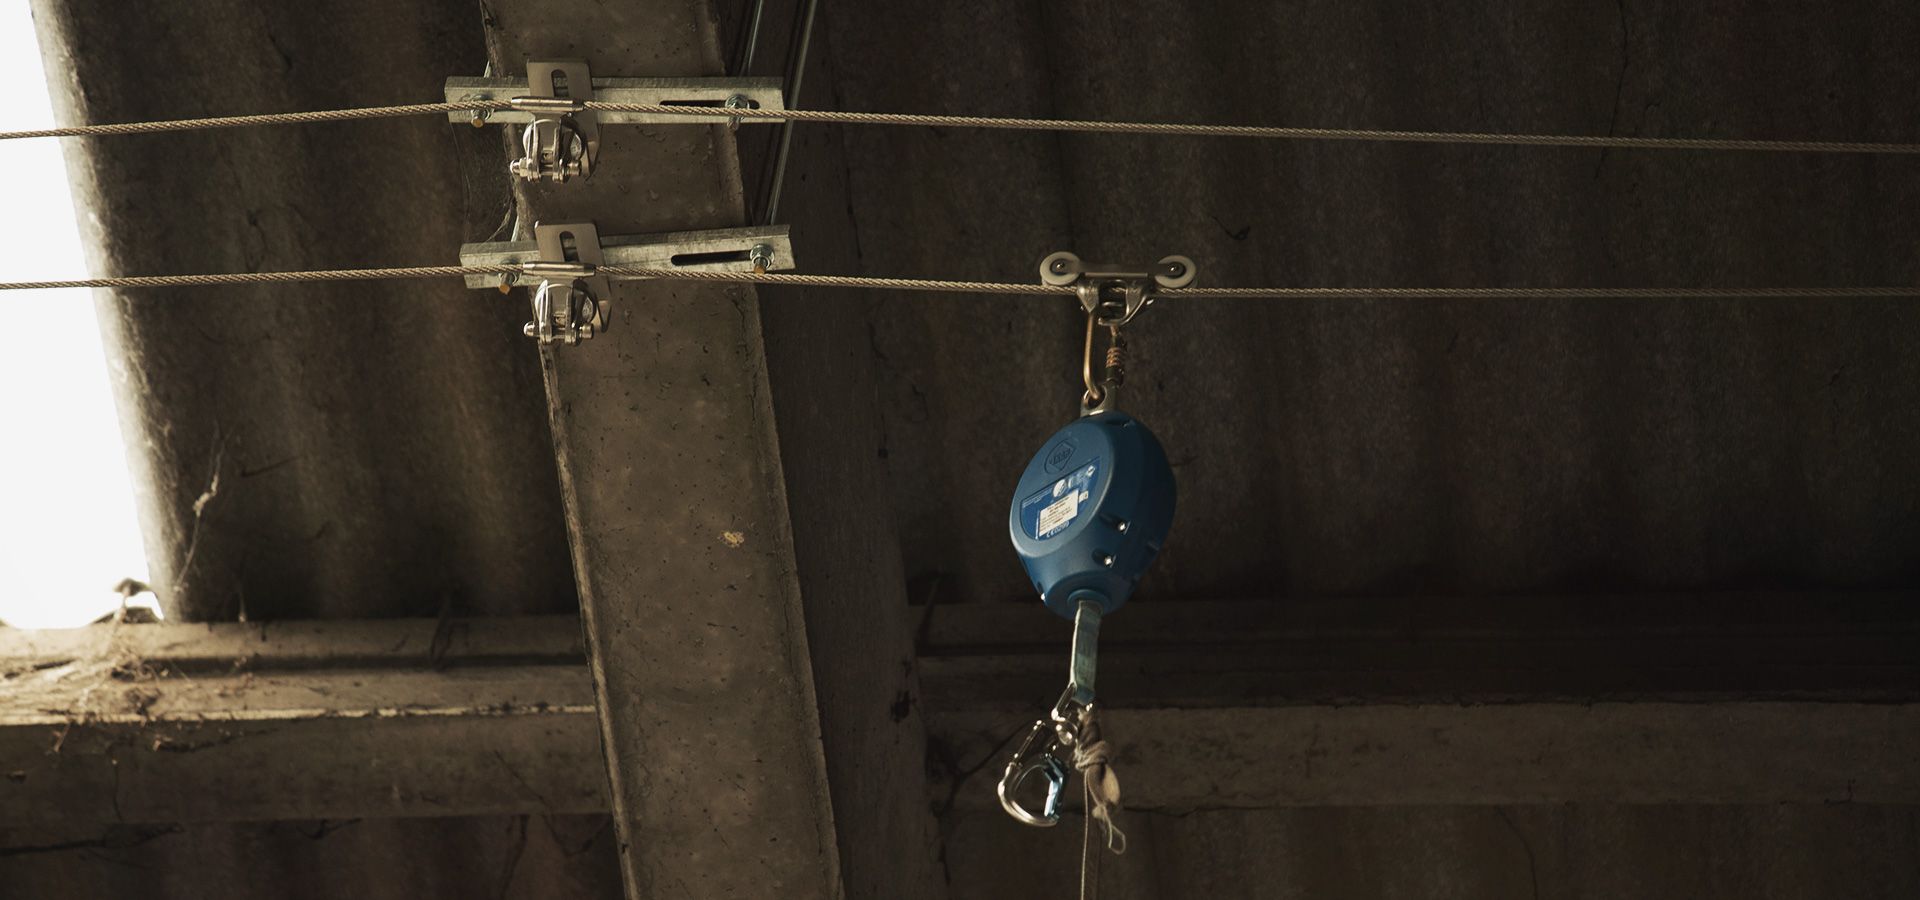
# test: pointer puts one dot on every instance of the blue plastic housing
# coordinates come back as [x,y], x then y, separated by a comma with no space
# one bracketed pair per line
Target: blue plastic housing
[1092,510]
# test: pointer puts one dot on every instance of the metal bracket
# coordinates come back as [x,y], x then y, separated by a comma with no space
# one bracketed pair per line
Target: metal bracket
[1112,295]
[563,137]
[1116,293]
[564,263]
[754,93]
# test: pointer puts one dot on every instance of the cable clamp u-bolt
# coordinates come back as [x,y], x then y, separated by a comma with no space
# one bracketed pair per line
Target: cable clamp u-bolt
[563,140]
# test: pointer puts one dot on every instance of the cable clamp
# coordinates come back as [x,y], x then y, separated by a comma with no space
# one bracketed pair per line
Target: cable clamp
[562,138]
[548,106]
[569,270]
[570,305]
[567,266]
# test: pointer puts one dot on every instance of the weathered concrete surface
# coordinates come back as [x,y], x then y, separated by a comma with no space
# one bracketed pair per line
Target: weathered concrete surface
[526,857]
[385,444]
[220,722]
[845,539]
[1741,700]
[736,769]
[1393,447]
[1197,654]
[1487,853]
[1640,753]
[370,441]
[1324,448]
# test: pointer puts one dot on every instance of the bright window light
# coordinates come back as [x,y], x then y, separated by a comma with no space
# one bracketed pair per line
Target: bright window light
[68,533]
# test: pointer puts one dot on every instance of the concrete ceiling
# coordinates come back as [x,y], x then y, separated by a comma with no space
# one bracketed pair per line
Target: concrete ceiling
[383,447]
[1392,447]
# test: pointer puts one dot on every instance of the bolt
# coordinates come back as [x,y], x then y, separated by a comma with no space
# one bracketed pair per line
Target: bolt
[528,330]
[1176,269]
[1059,267]
[1105,559]
[1121,527]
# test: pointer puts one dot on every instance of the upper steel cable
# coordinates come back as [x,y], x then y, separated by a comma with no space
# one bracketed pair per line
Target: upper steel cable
[292,118]
[225,278]
[983,287]
[1017,124]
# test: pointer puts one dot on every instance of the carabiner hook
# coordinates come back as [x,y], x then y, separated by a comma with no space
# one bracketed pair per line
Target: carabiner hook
[1041,752]
[1027,761]
[1098,396]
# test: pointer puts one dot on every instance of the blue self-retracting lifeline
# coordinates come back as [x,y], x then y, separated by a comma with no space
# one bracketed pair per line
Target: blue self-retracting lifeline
[1090,513]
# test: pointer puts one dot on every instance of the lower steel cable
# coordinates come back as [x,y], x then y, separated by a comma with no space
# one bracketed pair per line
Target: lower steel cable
[1266,131]
[982,287]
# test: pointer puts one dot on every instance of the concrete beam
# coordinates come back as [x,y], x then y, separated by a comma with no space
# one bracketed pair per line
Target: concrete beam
[1845,646]
[820,368]
[1489,755]
[159,723]
[686,435]
[1606,699]
[232,722]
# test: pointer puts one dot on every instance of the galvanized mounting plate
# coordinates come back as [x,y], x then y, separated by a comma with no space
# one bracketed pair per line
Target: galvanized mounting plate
[763,93]
[570,242]
[559,147]
[718,250]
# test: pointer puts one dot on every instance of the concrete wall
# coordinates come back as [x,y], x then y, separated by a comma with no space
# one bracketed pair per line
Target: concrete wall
[1478,853]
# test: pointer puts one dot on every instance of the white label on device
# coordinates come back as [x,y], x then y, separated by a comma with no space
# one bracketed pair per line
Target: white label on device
[1059,514]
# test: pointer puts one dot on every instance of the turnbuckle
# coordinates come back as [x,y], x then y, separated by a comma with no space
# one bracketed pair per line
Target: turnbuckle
[1112,295]
[1058,733]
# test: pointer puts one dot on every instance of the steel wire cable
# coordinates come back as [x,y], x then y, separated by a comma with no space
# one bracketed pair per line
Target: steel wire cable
[1545,293]
[982,287]
[1001,123]
[229,278]
[292,118]
[1263,131]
